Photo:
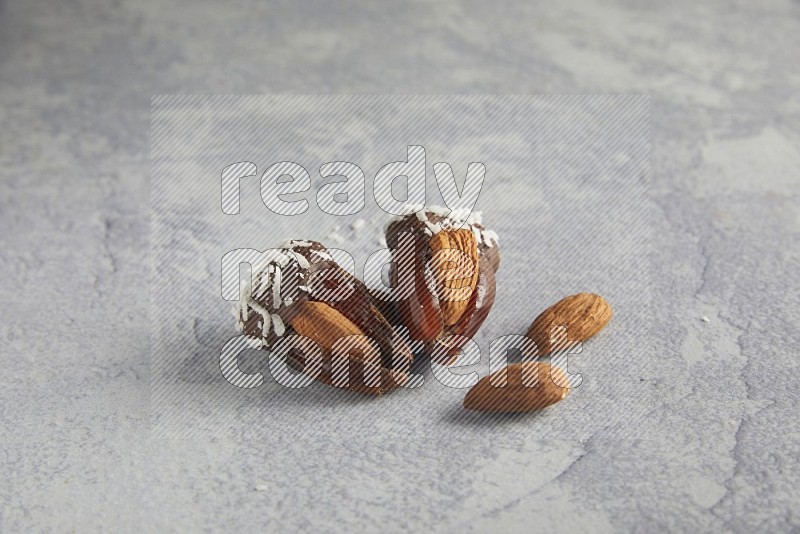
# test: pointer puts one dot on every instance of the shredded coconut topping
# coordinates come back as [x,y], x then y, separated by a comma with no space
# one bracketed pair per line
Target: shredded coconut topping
[280,329]
[294,243]
[301,261]
[490,235]
[276,288]
[323,256]
[457,218]
[268,275]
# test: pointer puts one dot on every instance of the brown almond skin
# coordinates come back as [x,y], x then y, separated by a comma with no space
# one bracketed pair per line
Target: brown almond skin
[461,240]
[583,315]
[324,325]
[518,396]
[359,307]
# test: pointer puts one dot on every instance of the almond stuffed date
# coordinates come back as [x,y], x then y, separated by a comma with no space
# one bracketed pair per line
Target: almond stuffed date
[299,288]
[442,276]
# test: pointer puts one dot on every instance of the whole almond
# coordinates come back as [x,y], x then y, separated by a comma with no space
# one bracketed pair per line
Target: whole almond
[325,326]
[528,386]
[569,321]
[322,324]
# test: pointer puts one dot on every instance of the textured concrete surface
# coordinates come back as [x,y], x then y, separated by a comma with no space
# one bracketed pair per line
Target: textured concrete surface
[716,445]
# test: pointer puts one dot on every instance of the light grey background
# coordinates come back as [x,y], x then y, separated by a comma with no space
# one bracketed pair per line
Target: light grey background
[718,448]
